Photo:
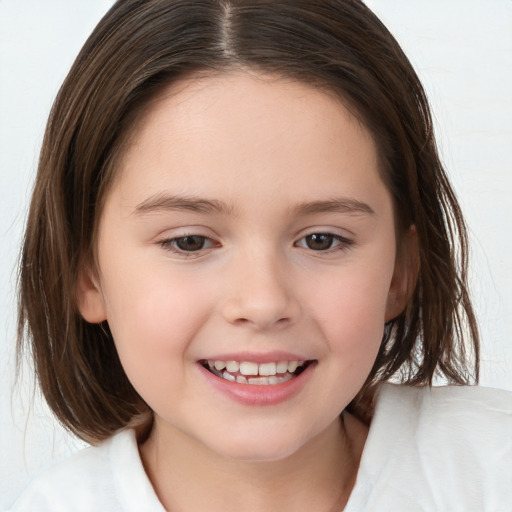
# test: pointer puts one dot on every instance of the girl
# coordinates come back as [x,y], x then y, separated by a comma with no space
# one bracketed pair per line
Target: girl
[240,233]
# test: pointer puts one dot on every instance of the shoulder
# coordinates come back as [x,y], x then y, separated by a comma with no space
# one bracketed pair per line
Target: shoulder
[448,406]
[444,449]
[109,476]
[472,424]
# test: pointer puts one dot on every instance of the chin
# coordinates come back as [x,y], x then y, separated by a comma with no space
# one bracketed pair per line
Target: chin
[260,445]
[260,452]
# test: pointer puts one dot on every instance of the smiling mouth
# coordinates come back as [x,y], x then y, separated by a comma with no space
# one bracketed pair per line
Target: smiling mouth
[260,374]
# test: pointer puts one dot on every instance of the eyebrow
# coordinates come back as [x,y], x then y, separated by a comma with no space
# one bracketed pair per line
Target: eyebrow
[339,205]
[164,202]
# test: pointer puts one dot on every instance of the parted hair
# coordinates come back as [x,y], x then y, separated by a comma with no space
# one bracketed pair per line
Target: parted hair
[142,46]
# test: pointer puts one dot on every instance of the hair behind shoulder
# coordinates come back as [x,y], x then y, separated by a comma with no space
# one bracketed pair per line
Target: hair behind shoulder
[141,46]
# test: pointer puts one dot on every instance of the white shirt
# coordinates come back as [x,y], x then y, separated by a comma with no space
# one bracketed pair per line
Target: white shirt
[445,449]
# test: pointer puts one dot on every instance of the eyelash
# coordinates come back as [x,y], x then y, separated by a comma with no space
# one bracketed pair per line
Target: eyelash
[170,244]
[343,242]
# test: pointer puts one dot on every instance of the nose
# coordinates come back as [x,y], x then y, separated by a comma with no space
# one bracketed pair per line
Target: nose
[259,293]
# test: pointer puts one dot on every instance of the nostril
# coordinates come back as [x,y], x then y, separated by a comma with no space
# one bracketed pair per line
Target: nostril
[262,311]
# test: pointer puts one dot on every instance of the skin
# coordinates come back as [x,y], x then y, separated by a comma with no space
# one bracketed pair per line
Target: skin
[264,147]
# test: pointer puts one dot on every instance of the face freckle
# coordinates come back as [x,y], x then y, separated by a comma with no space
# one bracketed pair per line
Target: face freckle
[248,224]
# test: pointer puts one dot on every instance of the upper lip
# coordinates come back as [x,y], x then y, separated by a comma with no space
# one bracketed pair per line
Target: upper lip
[268,357]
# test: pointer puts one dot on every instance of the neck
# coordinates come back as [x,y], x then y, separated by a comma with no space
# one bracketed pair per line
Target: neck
[320,476]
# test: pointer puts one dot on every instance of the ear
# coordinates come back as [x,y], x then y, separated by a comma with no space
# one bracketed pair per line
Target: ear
[89,298]
[405,275]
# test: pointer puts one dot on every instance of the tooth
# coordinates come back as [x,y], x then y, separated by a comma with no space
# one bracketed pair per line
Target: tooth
[228,376]
[273,380]
[216,372]
[248,368]
[282,367]
[286,377]
[292,366]
[219,365]
[268,368]
[232,366]
[210,365]
[241,379]
[258,381]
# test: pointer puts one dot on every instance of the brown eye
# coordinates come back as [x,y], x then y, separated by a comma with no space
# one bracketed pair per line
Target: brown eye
[190,243]
[324,242]
[319,241]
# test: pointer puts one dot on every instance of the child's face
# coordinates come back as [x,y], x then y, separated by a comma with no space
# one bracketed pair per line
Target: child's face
[248,223]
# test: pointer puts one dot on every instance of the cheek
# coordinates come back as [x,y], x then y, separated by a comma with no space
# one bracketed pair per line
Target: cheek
[153,324]
[153,318]
[352,313]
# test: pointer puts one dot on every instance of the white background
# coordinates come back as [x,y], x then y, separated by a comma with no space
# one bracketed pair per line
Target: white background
[462,50]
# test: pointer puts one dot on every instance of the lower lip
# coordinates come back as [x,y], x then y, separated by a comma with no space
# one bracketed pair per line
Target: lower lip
[253,394]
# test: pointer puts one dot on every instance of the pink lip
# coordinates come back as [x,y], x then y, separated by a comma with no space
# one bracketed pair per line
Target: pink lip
[258,395]
[269,357]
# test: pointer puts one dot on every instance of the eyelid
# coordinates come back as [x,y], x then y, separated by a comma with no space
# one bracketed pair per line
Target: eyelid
[168,243]
[344,242]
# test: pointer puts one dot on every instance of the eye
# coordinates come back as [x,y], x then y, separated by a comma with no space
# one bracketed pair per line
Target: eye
[188,244]
[324,242]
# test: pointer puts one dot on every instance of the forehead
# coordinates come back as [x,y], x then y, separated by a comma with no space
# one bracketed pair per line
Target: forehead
[246,134]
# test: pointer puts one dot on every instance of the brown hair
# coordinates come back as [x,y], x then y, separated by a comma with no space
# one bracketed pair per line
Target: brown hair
[141,46]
